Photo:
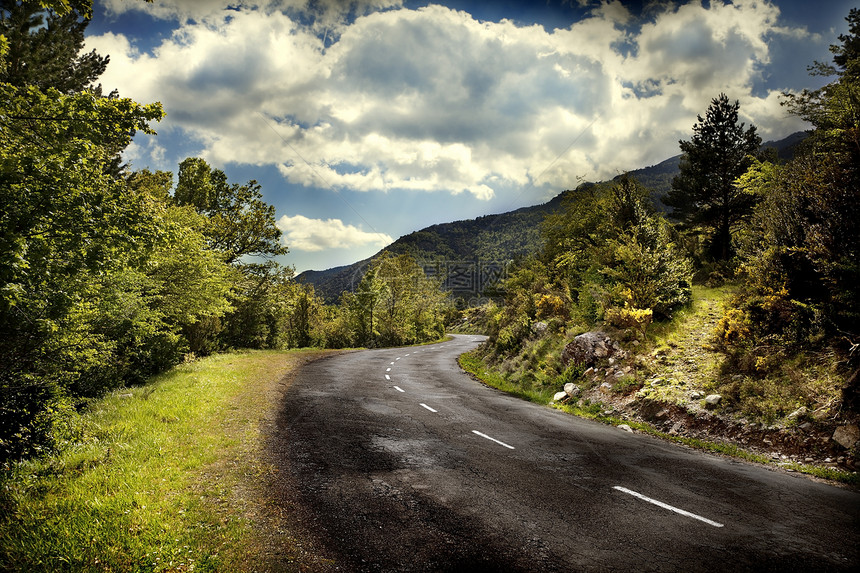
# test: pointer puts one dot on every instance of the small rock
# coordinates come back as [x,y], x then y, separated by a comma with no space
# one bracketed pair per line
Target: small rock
[606,387]
[126,395]
[808,460]
[805,426]
[635,343]
[588,371]
[712,400]
[539,327]
[571,389]
[800,412]
[625,427]
[619,374]
[846,436]
[696,396]
[612,361]
[559,396]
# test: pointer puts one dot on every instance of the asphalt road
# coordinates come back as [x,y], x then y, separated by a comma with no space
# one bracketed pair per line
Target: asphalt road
[402,462]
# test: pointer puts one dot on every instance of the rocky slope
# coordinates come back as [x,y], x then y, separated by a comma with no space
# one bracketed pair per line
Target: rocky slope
[672,384]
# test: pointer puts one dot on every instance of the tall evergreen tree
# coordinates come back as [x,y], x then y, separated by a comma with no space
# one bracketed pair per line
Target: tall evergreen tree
[704,193]
[45,48]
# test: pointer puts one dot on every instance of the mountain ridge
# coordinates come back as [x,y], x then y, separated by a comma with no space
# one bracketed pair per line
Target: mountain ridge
[471,254]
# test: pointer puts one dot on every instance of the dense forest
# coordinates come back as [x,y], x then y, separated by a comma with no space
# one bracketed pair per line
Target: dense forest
[109,275]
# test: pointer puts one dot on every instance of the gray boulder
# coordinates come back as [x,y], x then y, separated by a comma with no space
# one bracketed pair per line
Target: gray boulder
[590,348]
[846,436]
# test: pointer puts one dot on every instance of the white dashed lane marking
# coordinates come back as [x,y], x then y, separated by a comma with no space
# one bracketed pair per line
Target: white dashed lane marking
[399,389]
[428,407]
[483,435]
[666,506]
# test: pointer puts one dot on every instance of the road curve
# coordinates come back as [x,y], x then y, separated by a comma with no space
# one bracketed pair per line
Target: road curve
[404,463]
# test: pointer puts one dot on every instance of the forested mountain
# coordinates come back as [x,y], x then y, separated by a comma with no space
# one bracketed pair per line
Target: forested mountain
[468,253]
[471,254]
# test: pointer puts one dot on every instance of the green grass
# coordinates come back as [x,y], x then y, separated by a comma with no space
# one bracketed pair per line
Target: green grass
[167,478]
[472,363]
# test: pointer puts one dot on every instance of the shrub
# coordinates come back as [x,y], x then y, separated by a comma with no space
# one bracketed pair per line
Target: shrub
[628,317]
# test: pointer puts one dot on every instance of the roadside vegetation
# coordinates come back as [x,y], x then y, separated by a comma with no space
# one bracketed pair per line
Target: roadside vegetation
[170,476]
[746,293]
[109,276]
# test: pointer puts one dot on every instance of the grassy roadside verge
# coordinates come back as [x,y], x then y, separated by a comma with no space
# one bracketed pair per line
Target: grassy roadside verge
[471,363]
[168,476]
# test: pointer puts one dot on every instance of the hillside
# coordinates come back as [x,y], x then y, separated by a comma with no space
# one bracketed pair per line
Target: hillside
[473,253]
[470,253]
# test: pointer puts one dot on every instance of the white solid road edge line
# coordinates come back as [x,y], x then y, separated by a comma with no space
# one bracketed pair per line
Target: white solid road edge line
[493,439]
[399,389]
[428,407]
[667,506]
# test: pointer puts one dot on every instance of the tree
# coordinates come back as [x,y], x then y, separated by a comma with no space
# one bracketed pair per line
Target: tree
[45,48]
[704,193]
[240,223]
[802,251]
[613,251]
[395,303]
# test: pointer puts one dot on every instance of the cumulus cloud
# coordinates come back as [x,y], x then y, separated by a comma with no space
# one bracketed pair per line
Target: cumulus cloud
[434,100]
[304,234]
[325,13]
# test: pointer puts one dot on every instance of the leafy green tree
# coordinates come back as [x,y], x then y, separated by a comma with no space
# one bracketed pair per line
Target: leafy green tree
[801,250]
[704,193]
[304,310]
[612,250]
[396,303]
[240,224]
[67,231]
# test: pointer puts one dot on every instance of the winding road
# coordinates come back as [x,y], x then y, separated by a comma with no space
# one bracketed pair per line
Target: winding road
[405,463]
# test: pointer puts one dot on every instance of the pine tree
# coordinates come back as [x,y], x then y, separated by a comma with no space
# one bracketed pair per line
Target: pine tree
[45,48]
[704,193]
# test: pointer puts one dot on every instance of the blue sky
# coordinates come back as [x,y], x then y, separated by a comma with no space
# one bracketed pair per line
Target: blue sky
[365,120]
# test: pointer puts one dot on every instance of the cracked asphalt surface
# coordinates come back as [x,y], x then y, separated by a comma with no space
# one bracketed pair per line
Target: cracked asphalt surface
[382,483]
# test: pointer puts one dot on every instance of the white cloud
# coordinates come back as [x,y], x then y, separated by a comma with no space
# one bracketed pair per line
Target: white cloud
[326,13]
[304,234]
[433,100]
